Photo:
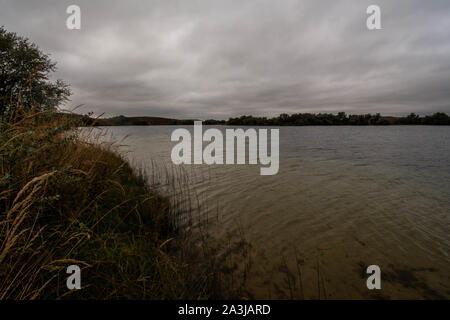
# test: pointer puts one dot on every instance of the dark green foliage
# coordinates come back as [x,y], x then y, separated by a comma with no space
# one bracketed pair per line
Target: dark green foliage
[296,119]
[438,118]
[329,119]
[24,76]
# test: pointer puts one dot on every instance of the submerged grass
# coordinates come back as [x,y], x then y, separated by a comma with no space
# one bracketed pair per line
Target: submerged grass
[64,201]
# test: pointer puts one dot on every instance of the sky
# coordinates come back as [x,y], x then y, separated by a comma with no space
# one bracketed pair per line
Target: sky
[216,59]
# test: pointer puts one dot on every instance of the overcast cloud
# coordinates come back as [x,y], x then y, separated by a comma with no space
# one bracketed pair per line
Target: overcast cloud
[216,59]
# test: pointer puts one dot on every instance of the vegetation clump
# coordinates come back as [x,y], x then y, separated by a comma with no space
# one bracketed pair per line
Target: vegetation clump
[66,201]
[339,119]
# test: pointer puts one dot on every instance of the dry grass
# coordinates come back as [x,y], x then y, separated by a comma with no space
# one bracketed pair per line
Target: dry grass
[65,201]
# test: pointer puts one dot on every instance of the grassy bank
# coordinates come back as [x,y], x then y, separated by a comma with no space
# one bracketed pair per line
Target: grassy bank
[64,201]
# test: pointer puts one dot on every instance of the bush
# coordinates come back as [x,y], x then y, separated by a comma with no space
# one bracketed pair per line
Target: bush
[24,76]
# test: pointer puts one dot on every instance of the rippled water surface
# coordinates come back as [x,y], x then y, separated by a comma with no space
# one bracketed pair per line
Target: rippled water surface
[344,198]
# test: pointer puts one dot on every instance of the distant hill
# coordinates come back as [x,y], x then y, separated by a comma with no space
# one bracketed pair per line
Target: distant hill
[123,121]
[140,121]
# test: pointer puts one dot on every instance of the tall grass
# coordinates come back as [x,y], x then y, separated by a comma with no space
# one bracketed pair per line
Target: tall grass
[66,200]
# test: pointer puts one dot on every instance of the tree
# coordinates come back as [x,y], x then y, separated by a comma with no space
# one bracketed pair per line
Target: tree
[25,76]
[412,118]
[439,118]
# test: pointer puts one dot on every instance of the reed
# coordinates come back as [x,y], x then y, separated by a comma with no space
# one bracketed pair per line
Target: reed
[70,199]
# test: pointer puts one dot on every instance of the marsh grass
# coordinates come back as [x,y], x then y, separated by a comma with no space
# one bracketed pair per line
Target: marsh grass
[66,200]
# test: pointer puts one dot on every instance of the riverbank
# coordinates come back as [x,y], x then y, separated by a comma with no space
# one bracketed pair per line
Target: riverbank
[67,202]
[296,119]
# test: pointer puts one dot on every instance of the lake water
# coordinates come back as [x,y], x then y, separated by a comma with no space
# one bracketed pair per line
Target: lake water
[344,198]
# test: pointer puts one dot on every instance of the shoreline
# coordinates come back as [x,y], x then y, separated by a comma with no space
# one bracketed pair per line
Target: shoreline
[326,119]
[69,202]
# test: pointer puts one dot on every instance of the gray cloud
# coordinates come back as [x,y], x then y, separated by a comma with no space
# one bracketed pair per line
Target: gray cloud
[224,58]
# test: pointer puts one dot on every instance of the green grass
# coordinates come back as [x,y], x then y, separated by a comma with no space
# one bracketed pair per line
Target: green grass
[64,201]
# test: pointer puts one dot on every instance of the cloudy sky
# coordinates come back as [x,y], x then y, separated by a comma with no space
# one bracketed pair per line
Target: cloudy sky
[211,58]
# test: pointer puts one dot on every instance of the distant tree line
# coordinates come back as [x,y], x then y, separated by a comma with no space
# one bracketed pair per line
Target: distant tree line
[329,119]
